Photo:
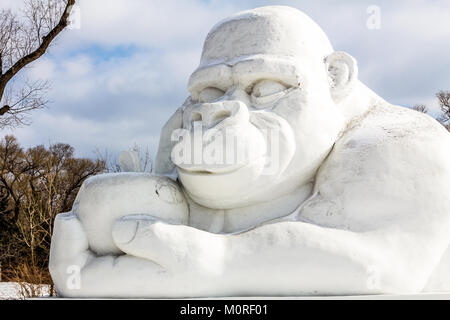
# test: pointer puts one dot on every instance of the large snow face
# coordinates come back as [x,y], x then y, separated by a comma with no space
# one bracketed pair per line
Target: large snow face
[262,89]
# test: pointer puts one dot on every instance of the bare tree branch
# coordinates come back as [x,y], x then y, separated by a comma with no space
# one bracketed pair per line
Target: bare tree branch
[4,109]
[29,97]
[22,42]
[444,104]
[421,108]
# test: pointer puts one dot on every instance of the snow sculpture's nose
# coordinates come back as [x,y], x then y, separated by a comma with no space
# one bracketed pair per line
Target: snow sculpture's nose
[219,114]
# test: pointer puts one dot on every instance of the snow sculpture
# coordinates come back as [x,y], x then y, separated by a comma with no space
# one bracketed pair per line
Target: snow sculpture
[329,190]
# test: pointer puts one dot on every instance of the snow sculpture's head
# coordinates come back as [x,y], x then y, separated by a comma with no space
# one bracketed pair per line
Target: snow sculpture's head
[267,98]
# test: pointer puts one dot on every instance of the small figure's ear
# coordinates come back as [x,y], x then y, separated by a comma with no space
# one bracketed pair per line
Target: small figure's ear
[130,161]
[343,74]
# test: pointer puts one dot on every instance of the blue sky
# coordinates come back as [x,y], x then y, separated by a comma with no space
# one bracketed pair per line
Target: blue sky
[117,78]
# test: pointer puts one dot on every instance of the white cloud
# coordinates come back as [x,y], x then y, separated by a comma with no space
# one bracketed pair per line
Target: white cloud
[11,4]
[154,24]
[44,70]
[78,67]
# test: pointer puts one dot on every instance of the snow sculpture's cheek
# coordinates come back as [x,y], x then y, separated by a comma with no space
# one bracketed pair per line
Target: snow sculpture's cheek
[289,103]
[105,198]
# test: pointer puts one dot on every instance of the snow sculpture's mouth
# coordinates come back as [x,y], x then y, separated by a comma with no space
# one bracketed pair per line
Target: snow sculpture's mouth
[199,170]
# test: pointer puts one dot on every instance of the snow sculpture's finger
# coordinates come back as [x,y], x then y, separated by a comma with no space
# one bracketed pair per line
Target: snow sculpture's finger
[175,247]
[136,235]
[69,238]
[69,249]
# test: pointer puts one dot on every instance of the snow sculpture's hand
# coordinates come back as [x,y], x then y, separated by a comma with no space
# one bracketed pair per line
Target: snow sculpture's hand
[77,272]
[177,248]
[163,163]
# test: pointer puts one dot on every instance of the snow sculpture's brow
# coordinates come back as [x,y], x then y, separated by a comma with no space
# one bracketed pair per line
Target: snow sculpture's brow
[245,72]
[219,76]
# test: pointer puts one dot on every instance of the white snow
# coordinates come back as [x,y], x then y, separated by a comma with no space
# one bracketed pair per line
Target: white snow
[12,290]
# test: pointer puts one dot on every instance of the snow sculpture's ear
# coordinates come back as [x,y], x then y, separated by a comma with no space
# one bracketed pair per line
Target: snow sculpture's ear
[130,161]
[343,74]
[163,163]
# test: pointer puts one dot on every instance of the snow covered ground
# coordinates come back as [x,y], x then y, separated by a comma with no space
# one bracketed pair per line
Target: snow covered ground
[13,290]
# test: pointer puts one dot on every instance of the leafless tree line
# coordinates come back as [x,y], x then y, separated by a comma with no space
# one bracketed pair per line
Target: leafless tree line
[35,184]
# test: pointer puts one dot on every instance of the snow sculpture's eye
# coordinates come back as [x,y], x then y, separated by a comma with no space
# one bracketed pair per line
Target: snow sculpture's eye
[210,94]
[267,91]
[267,87]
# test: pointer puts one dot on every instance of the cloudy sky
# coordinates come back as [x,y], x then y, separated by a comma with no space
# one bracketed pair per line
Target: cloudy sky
[117,78]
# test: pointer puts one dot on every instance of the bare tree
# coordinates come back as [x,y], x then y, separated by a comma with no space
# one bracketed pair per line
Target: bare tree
[25,37]
[421,108]
[444,104]
[110,160]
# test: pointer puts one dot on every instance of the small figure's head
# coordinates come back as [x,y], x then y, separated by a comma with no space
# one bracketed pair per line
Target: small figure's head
[264,110]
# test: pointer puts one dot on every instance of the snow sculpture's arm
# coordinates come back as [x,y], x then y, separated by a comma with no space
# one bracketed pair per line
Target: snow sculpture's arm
[166,260]
[298,257]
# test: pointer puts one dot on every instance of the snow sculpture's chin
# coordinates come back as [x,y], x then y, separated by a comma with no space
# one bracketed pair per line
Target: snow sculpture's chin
[221,190]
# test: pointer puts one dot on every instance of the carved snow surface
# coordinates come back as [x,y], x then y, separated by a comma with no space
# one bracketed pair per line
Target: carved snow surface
[280,175]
